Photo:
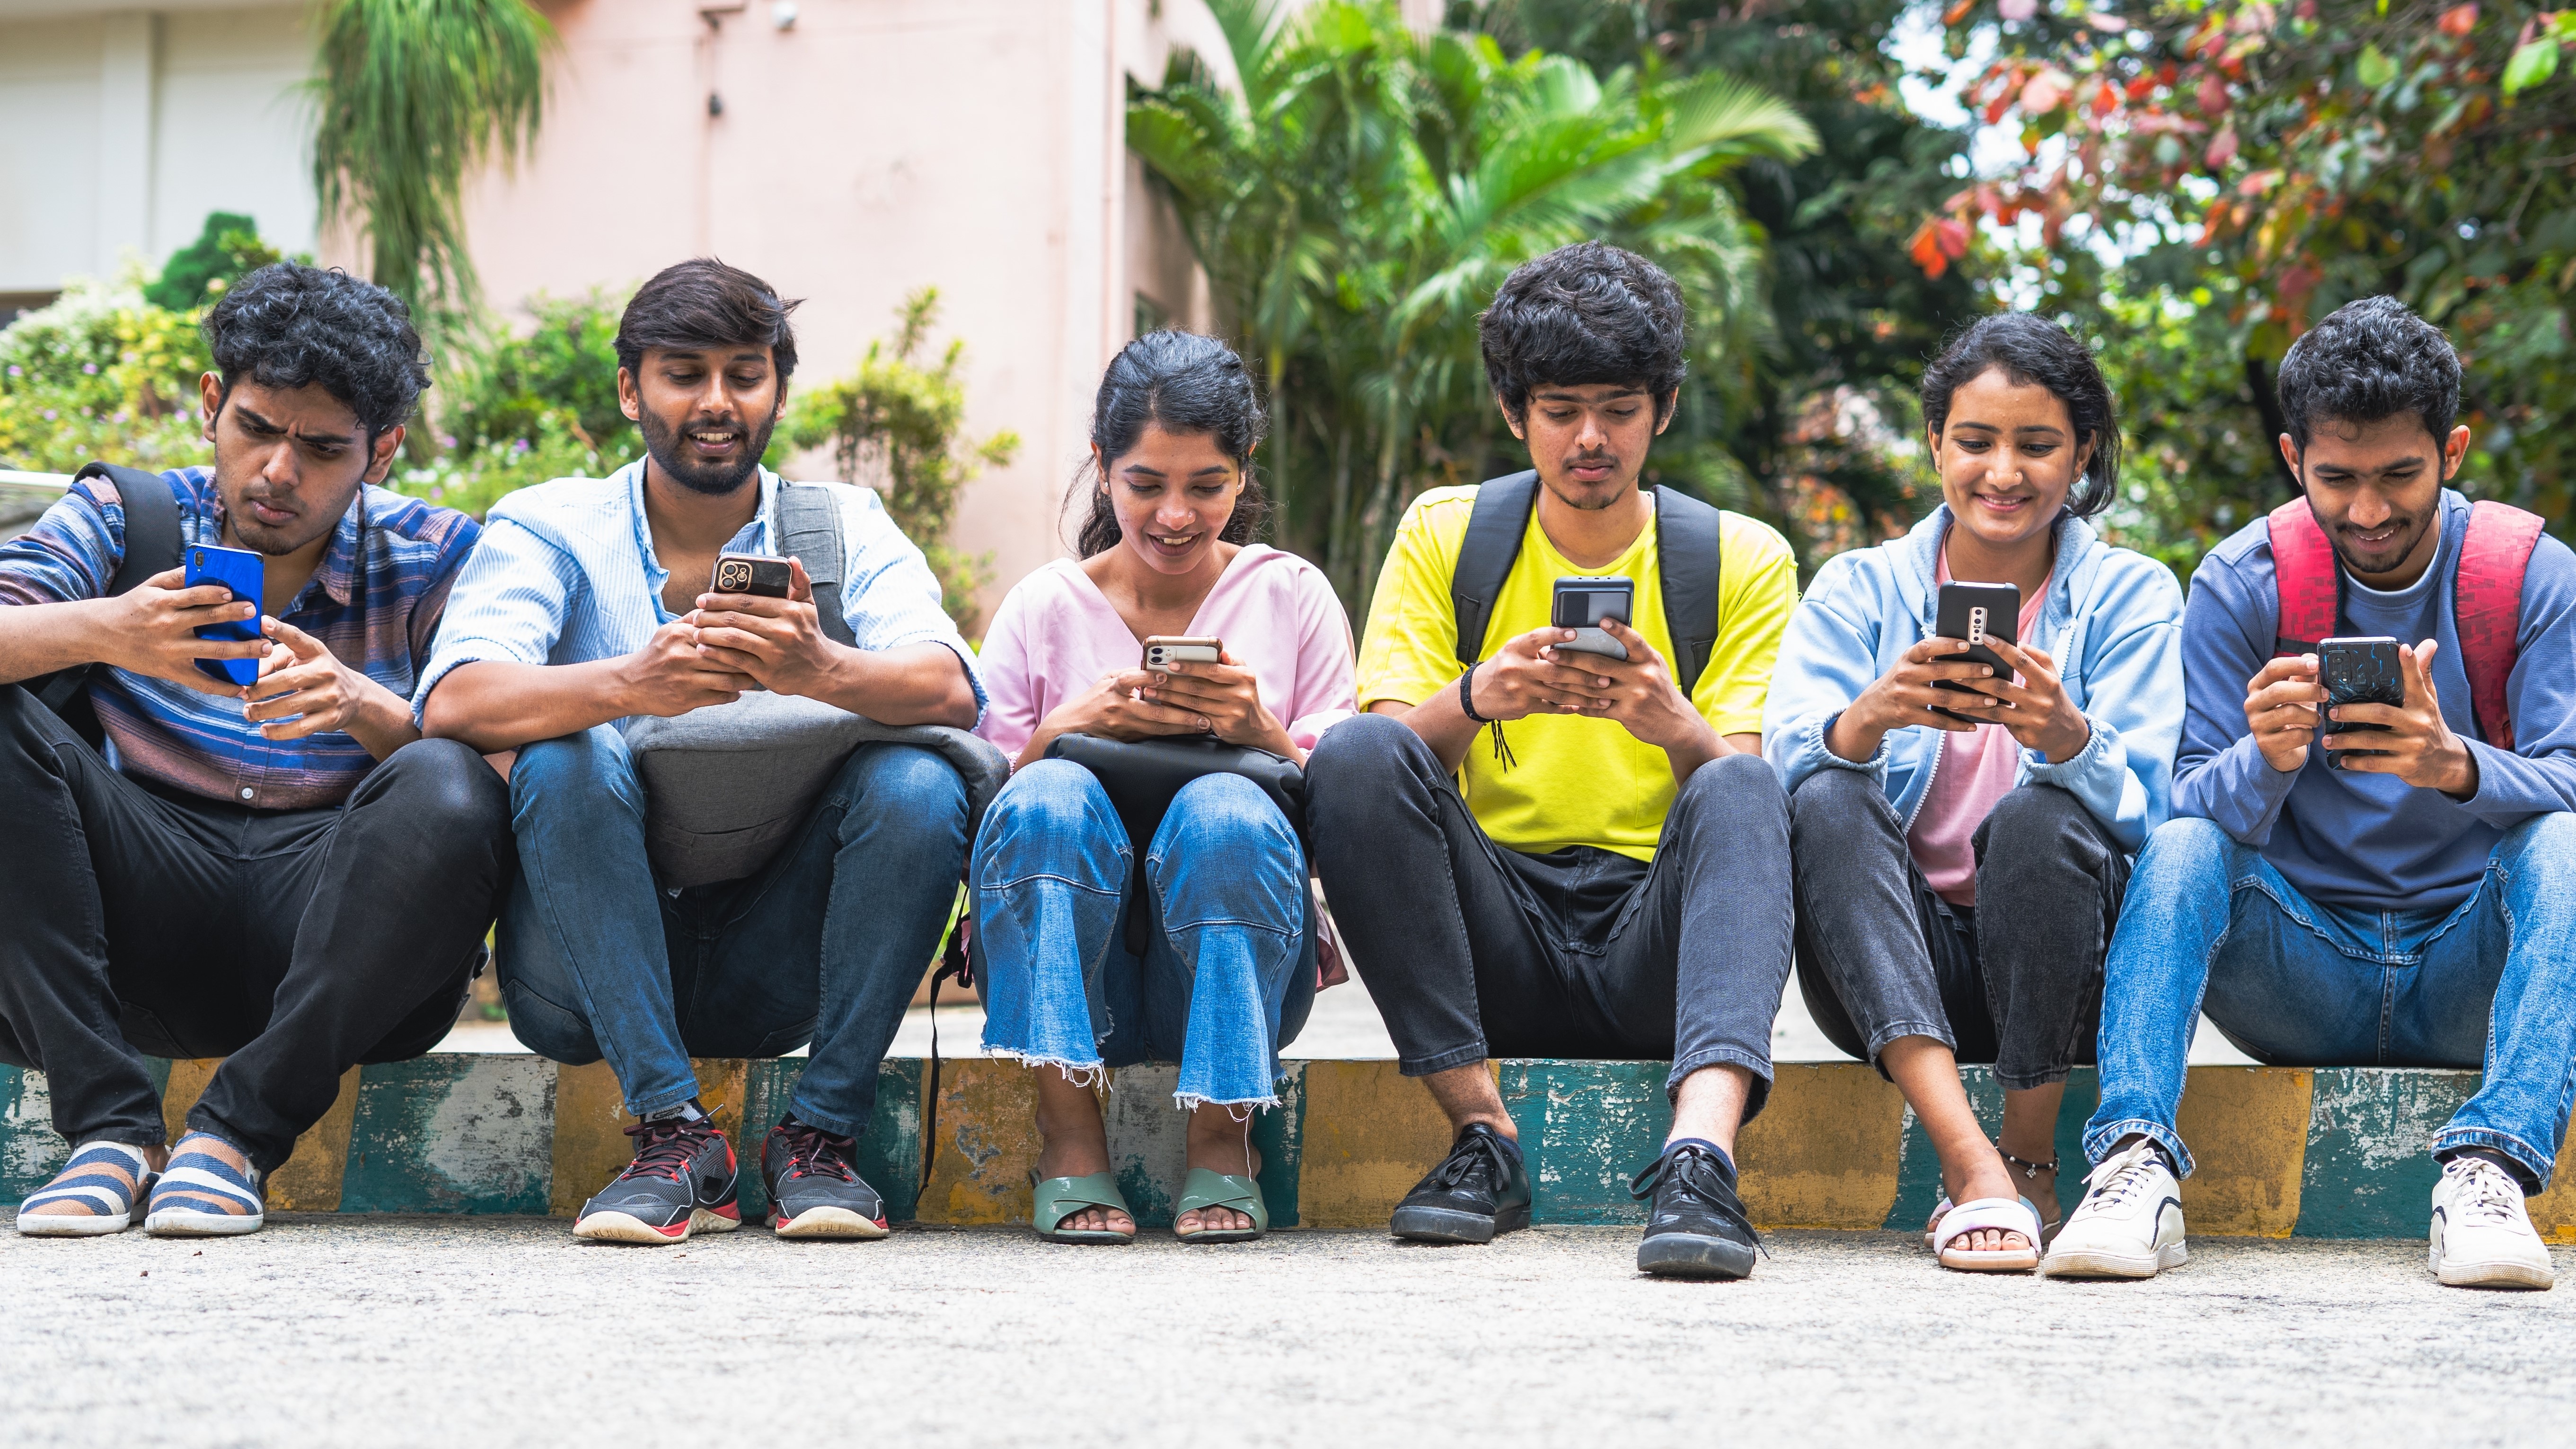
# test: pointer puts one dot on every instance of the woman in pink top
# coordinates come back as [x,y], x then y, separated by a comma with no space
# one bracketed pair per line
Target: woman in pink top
[1228,969]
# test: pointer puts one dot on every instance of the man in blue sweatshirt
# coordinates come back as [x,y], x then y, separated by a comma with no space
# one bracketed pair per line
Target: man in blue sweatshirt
[2416,907]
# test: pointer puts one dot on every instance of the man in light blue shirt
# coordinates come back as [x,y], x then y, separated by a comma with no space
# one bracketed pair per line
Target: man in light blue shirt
[586,610]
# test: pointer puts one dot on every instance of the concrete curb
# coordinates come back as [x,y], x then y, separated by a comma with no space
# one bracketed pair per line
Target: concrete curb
[2336,1153]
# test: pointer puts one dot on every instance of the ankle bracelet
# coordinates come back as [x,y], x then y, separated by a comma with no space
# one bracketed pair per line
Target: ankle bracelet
[2030,1170]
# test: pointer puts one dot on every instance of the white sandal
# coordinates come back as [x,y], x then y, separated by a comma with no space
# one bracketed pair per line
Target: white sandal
[2047,1231]
[1999,1214]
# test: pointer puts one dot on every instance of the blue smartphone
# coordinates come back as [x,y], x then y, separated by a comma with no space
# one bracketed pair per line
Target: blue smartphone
[241,571]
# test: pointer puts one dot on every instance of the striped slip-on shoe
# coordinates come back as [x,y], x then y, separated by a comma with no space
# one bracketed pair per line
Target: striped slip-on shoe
[92,1196]
[209,1190]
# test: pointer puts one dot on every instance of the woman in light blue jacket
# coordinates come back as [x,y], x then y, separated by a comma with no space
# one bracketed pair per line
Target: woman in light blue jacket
[1958,875]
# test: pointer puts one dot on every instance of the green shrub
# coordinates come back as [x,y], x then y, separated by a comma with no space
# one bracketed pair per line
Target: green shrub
[517,409]
[101,373]
[226,251]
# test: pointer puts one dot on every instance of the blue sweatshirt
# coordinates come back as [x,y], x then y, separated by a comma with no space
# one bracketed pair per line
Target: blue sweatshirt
[2111,621]
[2374,842]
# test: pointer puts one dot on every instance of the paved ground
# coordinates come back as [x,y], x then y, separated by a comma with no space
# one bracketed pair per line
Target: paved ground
[503,1332]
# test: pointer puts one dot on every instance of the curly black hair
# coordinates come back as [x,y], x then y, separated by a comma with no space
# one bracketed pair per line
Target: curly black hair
[1188,384]
[703,303]
[2369,360]
[1584,314]
[288,325]
[2035,350]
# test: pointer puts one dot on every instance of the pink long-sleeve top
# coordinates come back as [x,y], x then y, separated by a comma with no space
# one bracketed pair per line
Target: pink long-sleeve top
[1057,634]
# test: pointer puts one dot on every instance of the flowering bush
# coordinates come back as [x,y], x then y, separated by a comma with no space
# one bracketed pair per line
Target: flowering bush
[101,373]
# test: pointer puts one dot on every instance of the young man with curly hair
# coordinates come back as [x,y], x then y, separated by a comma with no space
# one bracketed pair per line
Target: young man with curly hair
[1610,876]
[283,874]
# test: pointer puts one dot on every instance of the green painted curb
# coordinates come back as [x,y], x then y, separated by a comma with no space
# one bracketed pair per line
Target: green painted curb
[2369,1173]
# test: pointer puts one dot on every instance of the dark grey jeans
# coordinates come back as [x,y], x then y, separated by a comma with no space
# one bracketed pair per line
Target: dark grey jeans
[2016,982]
[1473,951]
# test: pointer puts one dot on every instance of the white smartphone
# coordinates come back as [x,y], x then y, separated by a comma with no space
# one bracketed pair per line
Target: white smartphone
[1164,649]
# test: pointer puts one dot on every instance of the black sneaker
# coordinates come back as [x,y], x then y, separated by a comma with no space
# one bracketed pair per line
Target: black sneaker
[1480,1189]
[681,1182]
[814,1192]
[1697,1228]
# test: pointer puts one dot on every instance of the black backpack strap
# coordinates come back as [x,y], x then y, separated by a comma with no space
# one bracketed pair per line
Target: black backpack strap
[1686,554]
[152,546]
[1485,557]
[809,528]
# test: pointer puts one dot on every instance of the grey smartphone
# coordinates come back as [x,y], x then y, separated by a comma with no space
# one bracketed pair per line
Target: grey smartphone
[1164,649]
[750,573]
[1976,613]
[1583,601]
[2358,671]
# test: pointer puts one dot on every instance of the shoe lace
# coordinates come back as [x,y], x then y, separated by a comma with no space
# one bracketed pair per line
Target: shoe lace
[2121,1178]
[667,1148]
[2488,1195]
[1693,1174]
[811,1150]
[1475,1154]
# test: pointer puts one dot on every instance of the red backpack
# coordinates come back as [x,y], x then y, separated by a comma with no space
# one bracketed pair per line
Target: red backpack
[2486,593]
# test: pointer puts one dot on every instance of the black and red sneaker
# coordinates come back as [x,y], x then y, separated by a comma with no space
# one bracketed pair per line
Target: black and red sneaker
[682,1181]
[814,1192]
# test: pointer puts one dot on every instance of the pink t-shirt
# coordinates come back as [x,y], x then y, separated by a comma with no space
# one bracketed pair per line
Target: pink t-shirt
[1975,771]
[1057,634]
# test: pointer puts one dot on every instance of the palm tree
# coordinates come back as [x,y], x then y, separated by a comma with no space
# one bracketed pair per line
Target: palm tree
[414,96]
[1357,199]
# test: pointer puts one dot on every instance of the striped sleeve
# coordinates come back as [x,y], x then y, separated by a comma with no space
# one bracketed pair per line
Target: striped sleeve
[72,552]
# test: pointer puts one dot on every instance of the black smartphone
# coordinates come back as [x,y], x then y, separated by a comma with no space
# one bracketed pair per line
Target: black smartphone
[1977,613]
[750,573]
[2358,671]
[1583,601]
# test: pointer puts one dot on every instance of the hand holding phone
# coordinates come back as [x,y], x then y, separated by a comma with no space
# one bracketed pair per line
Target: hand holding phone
[1975,613]
[2359,670]
[1164,650]
[1582,601]
[757,575]
[244,573]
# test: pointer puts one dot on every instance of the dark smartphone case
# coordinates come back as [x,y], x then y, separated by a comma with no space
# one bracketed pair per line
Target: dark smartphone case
[1957,619]
[2358,671]
[244,573]
[1590,637]
[750,573]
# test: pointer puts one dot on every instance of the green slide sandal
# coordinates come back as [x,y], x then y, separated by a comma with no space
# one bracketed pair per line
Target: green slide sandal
[1205,1189]
[1059,1198]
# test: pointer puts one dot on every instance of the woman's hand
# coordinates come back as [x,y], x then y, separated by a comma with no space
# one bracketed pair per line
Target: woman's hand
[1112,710]
[1228,697]
[2035,708]
[1905,696]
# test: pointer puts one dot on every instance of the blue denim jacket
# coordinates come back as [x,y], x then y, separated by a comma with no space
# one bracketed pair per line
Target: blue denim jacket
[2112,621]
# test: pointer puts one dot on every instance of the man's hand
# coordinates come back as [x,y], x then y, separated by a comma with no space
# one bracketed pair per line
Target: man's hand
[2281,708]
[1228,697]
[1906,695]
[1528,676]
[2036,711]
[303,679]
[1637,691]
[671,675]
[2418,746]
[778,642]
[152,629]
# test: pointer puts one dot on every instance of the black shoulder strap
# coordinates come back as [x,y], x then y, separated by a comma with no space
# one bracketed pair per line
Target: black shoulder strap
[809,526]
[152,546]
[1493,542]
[1686,553]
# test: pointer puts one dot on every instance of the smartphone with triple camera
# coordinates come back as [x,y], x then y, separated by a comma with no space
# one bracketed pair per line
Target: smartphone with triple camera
[243,572]
[1977,613]
[2358,671]
[1167,649]
[750,573]
[1582,601]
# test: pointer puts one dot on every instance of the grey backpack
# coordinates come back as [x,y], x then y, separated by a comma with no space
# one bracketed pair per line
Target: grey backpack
[725,786]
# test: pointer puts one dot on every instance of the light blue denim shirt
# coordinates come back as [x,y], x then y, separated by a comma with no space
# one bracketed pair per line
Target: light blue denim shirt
[565,574]
[2112,621]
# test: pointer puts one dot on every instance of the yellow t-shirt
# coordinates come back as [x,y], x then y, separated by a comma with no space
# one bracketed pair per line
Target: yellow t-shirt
[1578,781]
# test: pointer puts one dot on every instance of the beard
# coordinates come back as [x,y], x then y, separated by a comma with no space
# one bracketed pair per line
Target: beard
[1585,502]
[663,443]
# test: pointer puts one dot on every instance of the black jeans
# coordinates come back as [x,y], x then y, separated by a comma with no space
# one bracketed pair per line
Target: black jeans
[2016,982]
[1473,951]
[294,943]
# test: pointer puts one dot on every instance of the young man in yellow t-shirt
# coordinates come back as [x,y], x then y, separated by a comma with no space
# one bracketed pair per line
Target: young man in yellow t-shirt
[1609,875]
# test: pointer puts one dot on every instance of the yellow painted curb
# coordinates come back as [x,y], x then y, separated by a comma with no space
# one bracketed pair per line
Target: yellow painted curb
[310,1180]
[988,1142]
[1369,1136]
[2247,1128]
[591,1145]
[1823,1154]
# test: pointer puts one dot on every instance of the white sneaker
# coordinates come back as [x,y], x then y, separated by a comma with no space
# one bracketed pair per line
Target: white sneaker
[2482,1238]
[2129,1224]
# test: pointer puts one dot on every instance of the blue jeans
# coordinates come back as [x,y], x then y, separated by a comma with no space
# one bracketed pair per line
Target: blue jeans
[824,944]
[2491,982]
[1228,972]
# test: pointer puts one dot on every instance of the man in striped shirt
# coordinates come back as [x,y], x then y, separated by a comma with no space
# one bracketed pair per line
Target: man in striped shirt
[282,874]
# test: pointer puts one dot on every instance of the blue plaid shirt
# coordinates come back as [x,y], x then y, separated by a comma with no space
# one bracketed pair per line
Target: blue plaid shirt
[374,602]
[566,574]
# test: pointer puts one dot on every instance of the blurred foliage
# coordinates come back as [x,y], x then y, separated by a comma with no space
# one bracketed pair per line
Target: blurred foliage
[1826,424]
[2254,166]
[1359,197]
[517,407]
[227,250]
[101,373]
[897,425]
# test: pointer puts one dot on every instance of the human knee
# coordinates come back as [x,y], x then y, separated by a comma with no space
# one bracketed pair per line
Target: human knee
[2184,853]
[1829,800]
[445,785]
[543,1026]
[911,780]
[2542,848]
[1362,754]
[2027,827]
[1052,818]
[1049,796]
[590,765]
[1228,815]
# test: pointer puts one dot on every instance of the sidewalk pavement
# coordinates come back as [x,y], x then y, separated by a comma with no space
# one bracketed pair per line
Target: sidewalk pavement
[502,1332]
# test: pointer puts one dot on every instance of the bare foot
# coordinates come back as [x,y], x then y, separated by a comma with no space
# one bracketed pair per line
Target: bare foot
[1077,1145]
[1219,1143]
[1989,1178]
